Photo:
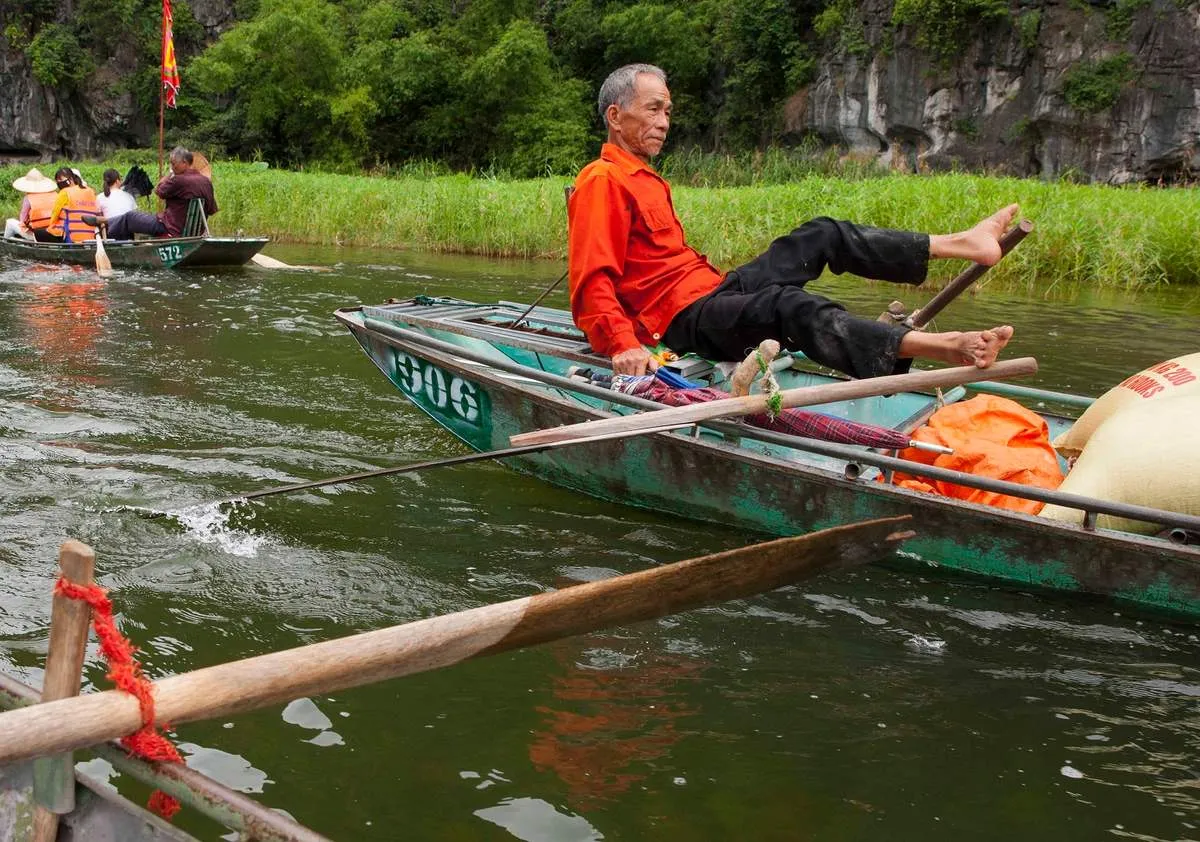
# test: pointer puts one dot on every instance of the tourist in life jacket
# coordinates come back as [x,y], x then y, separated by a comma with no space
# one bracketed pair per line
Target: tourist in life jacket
[74,200]
[34,218]
[114,201]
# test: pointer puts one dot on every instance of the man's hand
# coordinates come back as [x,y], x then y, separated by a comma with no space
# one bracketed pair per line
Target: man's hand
[634,361]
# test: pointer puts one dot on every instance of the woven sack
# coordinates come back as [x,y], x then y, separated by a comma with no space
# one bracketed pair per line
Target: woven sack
[1145,455]
[1178,376]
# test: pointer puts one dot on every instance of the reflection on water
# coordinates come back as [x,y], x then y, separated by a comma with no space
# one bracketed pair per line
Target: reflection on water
[617,715]
[873,704]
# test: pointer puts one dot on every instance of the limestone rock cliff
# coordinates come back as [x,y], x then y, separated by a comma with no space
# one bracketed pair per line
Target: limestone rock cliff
[1000,104]
[38,123]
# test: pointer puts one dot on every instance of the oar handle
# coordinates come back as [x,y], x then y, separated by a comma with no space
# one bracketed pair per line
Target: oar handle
[842,390]
[967,277]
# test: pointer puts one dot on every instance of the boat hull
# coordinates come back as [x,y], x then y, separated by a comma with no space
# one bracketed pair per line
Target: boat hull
[173,253]
[719,481]
[100,813]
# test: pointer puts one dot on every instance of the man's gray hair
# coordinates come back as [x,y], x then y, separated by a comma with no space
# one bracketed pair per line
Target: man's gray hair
[179,153]
[619,86]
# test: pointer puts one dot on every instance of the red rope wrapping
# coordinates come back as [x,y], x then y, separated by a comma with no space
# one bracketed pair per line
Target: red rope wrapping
[126,673]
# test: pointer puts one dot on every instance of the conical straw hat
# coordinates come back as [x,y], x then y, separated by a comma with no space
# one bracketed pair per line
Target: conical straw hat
[201,165]
[34,182]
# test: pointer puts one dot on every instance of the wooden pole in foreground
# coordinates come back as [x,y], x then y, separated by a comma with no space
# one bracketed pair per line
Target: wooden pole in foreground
[805,396]
[334,665]
[54,777]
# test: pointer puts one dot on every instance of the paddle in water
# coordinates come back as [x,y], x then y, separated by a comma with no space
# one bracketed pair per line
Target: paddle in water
[103,264]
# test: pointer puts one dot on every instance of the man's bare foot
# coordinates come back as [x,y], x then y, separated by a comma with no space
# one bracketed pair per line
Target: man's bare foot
[980,243]
[973,347]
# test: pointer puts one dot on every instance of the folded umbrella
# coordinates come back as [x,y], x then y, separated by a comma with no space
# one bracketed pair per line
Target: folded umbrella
[793,422]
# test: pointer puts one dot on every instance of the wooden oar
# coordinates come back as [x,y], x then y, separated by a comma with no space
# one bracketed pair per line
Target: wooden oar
[271,263]
[895,312]
[411,468]
[806,396]
[323,668]
[103,264]
[968,276]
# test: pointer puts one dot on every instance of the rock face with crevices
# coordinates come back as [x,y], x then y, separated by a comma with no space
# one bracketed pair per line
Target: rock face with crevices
[1000,104]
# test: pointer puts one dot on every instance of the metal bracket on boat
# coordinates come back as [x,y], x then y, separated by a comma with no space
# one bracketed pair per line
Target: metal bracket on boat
[1179,535]
[1089,520]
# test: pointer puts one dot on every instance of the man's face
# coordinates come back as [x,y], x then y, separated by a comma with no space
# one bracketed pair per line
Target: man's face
[178,165]
[640,128]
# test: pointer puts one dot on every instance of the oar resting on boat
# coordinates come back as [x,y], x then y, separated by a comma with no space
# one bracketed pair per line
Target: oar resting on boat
[791,422]
[806,396]
[321,668]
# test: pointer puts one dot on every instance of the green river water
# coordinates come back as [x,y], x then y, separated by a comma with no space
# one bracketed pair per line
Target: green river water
[875,704]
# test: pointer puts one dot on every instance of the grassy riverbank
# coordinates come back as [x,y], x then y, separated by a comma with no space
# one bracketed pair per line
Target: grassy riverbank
[1086,235]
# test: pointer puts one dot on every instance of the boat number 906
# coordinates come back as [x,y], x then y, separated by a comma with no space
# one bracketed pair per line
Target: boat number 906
[428,384]
[168,253]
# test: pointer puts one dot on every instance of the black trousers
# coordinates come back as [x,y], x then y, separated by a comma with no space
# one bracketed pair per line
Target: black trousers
[135,222]
[766,299]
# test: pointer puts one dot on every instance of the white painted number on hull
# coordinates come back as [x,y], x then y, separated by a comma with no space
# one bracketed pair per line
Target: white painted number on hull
[169,254]
[428,383]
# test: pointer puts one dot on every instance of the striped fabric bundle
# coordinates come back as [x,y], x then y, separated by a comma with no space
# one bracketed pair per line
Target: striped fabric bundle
[792,422]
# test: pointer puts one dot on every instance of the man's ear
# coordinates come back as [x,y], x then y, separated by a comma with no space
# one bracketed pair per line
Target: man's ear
[611,115]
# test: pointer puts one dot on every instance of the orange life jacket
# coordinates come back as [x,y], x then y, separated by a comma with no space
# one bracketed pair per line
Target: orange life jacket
[80,200]
[41,205]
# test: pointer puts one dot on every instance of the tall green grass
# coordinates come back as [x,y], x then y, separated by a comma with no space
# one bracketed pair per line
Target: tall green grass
[1129,237]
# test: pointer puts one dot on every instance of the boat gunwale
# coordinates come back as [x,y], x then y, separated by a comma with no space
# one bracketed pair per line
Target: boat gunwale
[1088,505]
[123,250]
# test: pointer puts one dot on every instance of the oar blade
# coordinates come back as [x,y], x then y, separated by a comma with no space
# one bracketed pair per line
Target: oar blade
[437,642]
[683,585]
[103,264]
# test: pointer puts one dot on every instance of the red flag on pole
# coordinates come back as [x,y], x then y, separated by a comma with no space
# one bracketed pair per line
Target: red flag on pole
[170,71]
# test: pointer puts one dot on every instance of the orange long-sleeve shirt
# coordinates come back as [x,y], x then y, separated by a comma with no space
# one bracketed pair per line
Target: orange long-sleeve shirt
[630,270]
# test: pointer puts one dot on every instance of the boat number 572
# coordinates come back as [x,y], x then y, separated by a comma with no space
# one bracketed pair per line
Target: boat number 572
[168,253]
[428,384]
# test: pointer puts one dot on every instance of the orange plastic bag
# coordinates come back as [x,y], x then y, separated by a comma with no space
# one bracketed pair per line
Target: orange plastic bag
[992,437]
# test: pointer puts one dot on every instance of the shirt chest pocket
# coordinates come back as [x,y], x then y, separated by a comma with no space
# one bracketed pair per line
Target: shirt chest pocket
[658,217]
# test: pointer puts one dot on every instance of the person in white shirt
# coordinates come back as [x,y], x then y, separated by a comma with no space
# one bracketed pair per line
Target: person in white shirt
[114,201]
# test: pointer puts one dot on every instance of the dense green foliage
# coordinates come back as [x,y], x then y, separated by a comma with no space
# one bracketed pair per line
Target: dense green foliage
[57,58]
[504,85]
[943,25]
[1092,87]
[1119,18]
[1086,235]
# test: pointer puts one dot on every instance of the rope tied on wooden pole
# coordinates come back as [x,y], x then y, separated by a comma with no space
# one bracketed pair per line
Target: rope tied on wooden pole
[125,672]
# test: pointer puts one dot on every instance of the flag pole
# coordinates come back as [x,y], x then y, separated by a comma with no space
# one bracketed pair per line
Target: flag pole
[162,91]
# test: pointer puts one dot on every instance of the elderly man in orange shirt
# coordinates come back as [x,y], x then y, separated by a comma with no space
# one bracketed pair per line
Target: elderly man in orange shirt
[634,279]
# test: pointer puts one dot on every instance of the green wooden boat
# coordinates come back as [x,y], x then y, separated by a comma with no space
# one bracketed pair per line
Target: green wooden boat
[482,378]
[100,813]
[174,253]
